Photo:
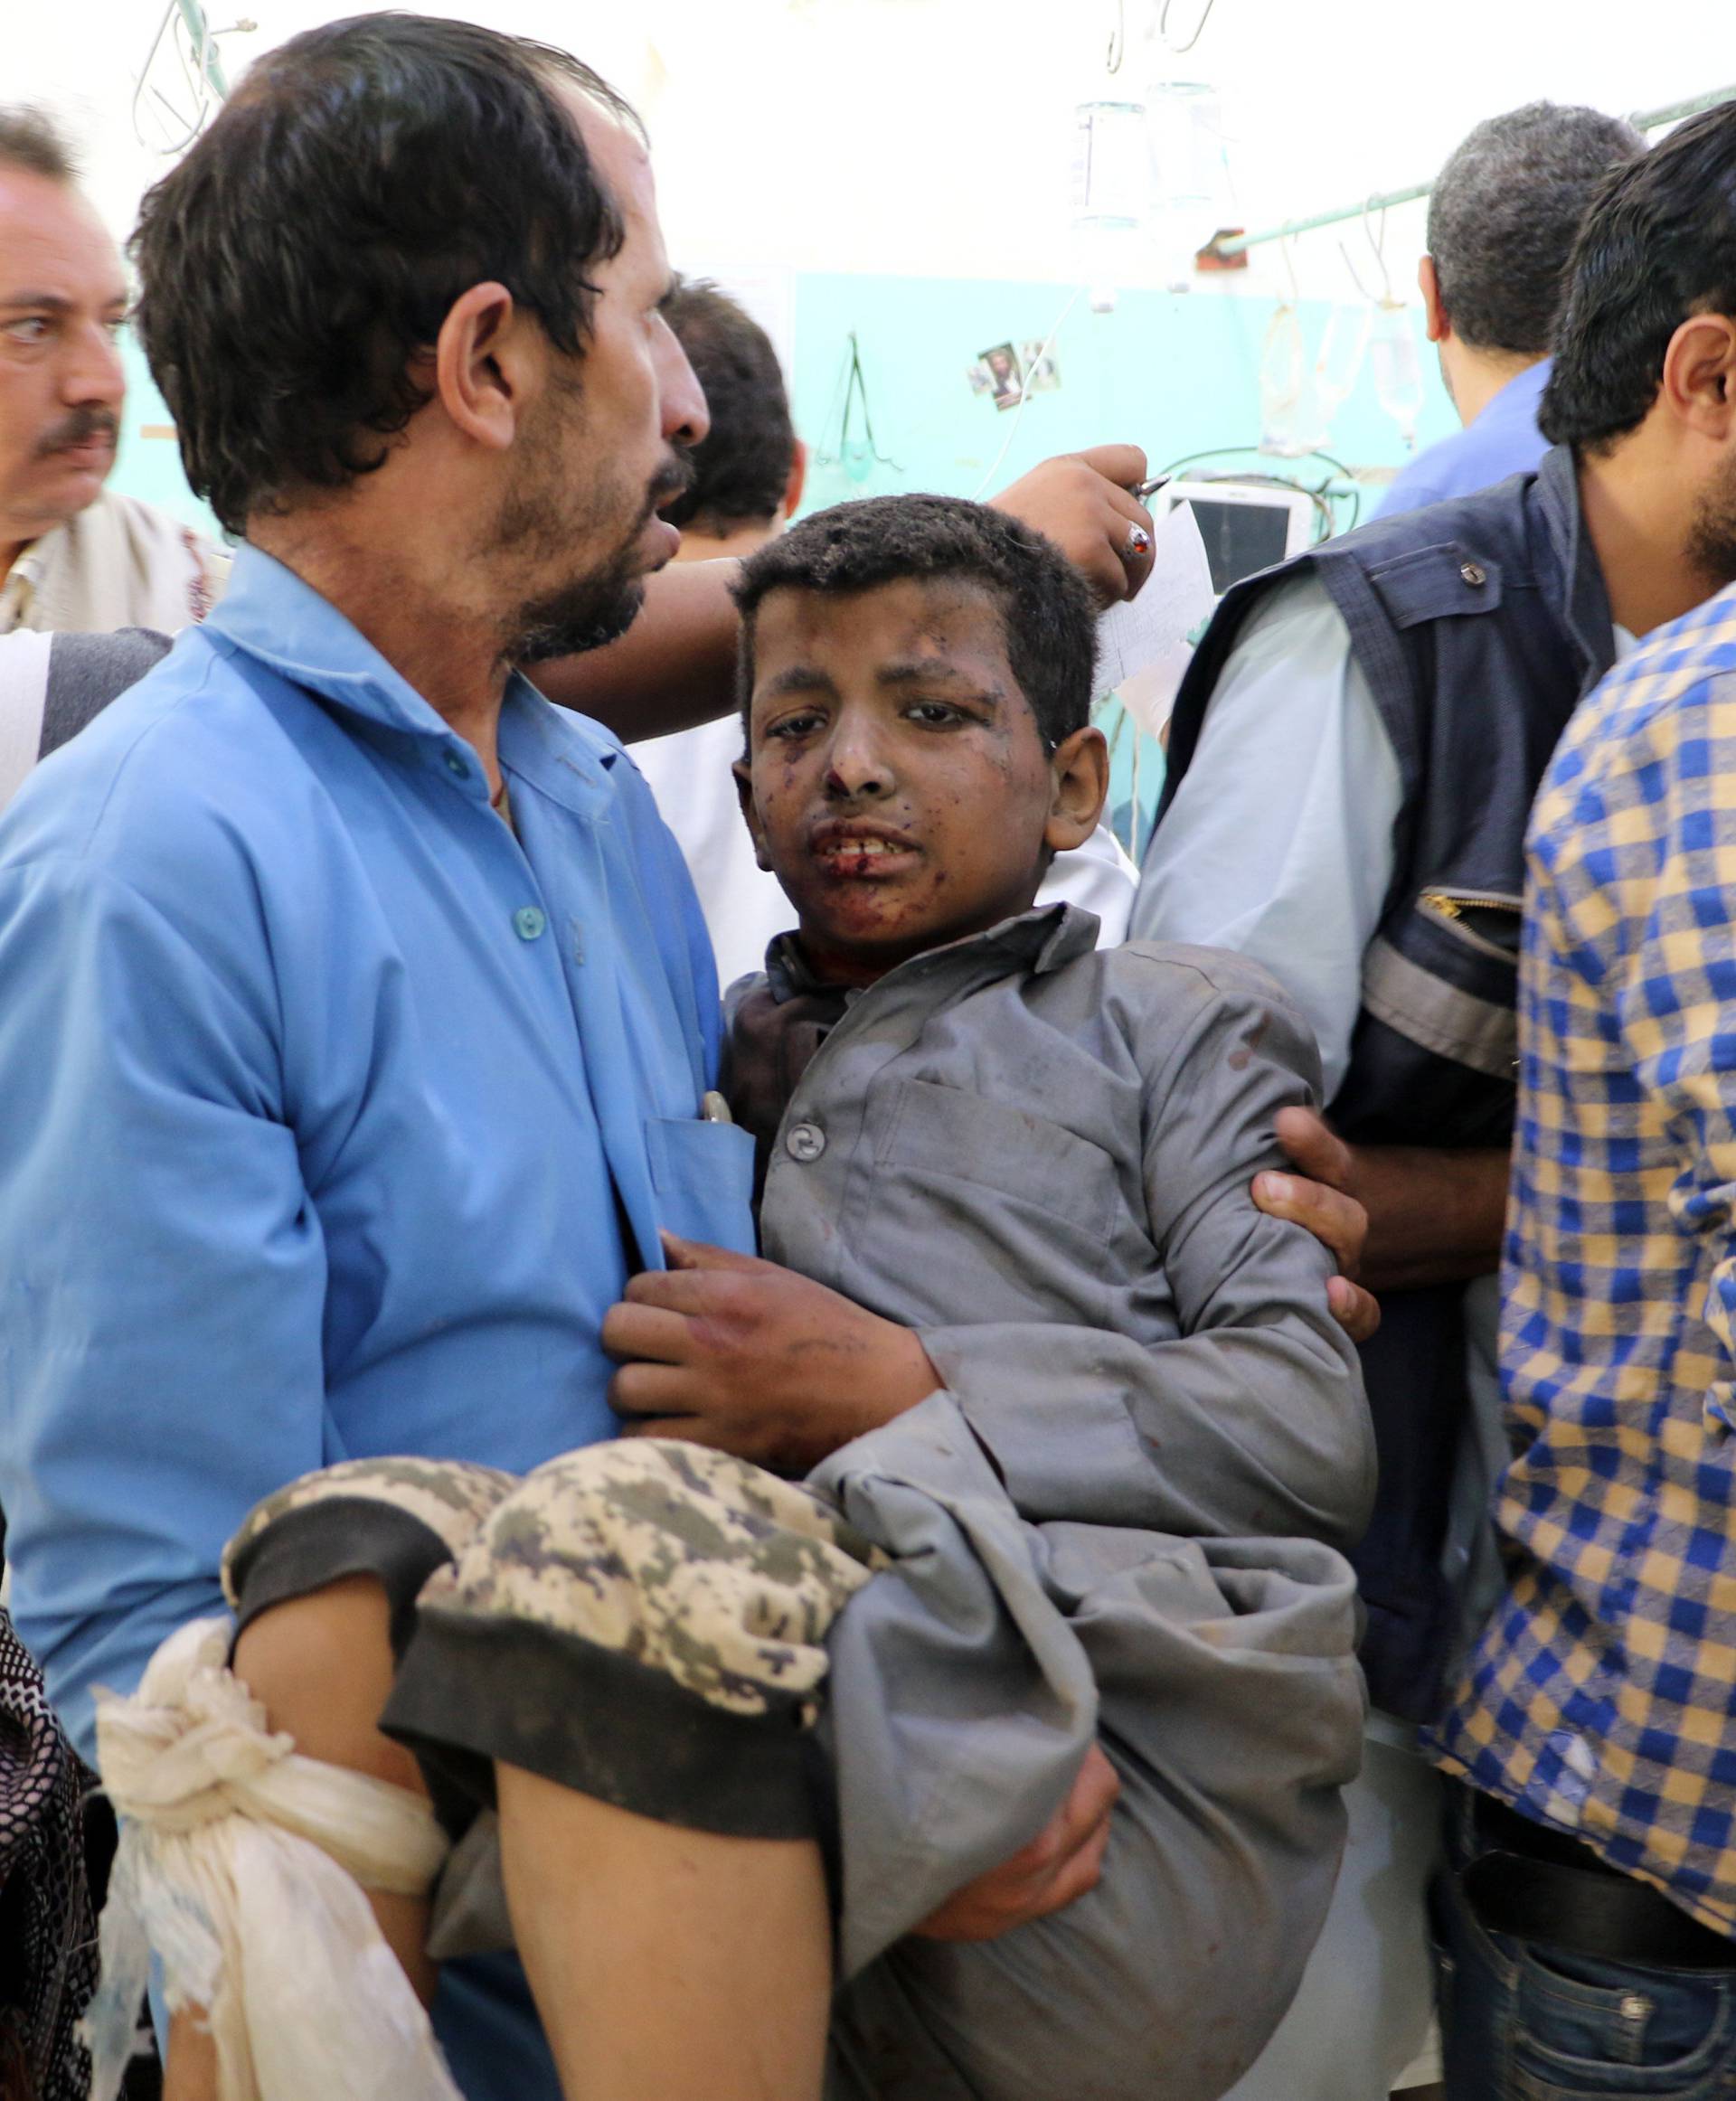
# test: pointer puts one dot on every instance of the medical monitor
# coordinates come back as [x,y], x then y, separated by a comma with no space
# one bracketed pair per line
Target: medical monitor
[1245,525]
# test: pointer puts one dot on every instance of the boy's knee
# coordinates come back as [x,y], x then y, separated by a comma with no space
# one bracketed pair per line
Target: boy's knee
[395,1520]
[321,1666]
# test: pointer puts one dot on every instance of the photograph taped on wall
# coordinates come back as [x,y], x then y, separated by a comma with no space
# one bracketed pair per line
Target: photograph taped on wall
[1042,374]
[1005,376]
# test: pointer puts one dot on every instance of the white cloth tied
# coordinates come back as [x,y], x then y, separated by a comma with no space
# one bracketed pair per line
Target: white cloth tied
[241,1867]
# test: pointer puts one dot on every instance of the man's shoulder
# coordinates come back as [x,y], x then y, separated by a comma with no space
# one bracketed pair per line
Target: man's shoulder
[1668,707]
[125,563]
[147,532]
[1466,464]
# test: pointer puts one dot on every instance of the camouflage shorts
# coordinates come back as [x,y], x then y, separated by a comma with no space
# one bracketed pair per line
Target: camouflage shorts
[643,1621]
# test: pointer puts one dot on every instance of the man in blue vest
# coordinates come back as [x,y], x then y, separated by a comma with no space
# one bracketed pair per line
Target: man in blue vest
[1353,758]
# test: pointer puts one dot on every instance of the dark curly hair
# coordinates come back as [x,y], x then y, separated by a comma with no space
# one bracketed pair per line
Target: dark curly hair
[1045,606]
[363,176]
[741,470]
[1658,245]
[1502,214]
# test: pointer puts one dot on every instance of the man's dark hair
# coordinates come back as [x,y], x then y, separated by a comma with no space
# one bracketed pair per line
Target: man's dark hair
[741,470]
[1045,606]
[29,140]
[363,176]
[1657,246]
[1502,214]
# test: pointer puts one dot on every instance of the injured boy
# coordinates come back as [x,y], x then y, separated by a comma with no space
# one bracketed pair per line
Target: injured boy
[719,1720]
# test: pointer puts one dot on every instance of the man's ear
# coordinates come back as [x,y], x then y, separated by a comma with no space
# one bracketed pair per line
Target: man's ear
[486,367]
[797,480]
[1080,767]
[750,815]
[1435,318]
[1699,385]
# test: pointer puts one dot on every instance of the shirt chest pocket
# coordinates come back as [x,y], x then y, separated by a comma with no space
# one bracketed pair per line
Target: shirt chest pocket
[986,1212]
[702,1175]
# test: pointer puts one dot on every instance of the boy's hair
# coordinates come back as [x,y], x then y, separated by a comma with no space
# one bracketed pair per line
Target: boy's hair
[1657,246]
[741,470]
[1502,214]
[1046,610]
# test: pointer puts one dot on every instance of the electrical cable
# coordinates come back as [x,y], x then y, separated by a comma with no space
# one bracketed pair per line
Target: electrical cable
[1024,395]
[1182,49]
[1320,497]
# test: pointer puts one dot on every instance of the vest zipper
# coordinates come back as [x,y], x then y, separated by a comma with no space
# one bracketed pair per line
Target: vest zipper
[1456,911]
[1450,904]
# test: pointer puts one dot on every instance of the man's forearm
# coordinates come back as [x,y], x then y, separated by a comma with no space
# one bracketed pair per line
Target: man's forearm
[1434,1217]
[675,667]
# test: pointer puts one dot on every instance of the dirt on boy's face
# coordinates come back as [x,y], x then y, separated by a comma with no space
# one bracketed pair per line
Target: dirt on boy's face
[896,782]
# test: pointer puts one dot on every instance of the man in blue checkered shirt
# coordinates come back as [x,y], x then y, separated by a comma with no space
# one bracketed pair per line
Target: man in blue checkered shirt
[1591,1917]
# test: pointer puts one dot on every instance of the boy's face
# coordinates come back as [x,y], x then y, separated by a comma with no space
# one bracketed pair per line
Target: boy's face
[896,782]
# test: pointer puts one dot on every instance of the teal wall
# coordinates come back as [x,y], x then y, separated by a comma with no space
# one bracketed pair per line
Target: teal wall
[150,468]
[1174,372]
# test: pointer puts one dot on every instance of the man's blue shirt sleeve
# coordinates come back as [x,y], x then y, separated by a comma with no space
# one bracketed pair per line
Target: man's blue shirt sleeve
[160,1318]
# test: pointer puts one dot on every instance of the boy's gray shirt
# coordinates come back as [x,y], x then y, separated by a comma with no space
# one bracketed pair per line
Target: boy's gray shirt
[1119,1520]
[1061,1141]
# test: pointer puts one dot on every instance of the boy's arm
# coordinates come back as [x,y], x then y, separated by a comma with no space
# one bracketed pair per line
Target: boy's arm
[1253,1420]
[162,1273]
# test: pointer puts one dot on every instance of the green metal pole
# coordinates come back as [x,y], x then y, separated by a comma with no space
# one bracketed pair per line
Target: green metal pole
[199,30]
[1239,243]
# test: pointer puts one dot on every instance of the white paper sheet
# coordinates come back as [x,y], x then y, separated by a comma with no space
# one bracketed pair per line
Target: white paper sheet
[1142,647]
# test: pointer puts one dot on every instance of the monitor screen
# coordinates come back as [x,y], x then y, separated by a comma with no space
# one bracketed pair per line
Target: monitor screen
[1240,537]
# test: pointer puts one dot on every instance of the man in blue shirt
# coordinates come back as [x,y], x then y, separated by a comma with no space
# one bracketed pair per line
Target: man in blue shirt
[355,1011]
[1502,218]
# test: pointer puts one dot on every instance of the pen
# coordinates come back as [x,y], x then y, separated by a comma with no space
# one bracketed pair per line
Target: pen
[1144,489]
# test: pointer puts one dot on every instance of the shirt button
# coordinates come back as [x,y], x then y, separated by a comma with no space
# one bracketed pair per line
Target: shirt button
[804,1141]
[529,921]
[458,767]
[1474,574]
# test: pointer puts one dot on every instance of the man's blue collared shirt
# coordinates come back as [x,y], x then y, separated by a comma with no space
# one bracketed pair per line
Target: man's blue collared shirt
[1502,440]
[332,1115]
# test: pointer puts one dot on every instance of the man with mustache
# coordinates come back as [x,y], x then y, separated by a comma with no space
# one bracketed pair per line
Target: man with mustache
[73,557]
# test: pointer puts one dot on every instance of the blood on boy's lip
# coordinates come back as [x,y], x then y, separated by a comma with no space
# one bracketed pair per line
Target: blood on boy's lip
[861,842]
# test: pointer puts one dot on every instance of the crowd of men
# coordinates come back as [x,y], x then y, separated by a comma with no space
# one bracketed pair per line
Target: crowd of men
[359,1054]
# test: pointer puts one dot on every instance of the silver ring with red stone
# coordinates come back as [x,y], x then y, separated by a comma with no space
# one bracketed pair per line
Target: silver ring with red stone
[1139,544]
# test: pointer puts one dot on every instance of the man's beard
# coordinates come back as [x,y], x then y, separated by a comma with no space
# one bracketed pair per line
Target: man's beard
[1711,537]
[539,522]
[587,613]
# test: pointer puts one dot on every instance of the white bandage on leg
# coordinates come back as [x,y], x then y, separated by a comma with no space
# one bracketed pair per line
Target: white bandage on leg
[241,1867]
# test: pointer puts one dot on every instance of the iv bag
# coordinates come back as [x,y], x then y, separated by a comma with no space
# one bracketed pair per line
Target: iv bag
[1398,369]
[1281,386]
[1111,167]
[1111,189]
[1338,363]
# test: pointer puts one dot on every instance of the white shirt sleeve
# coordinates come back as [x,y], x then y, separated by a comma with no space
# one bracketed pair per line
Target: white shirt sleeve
[23,690]
[1280,842]
[1098,876]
